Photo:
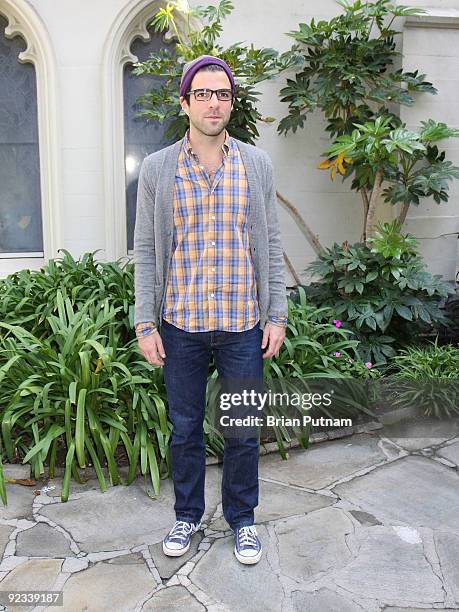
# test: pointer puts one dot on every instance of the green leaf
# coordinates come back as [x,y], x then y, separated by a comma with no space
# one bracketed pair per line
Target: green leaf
[370,321]
[371,276]
[96,464]
[153,464]
[67,471]
[53,432]
[72,391]
[432,131]
[80,428]
[404,312]
[404,140]
[3,494]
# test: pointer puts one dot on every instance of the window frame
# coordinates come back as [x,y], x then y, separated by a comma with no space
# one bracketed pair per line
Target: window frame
[23,21]
[130,24]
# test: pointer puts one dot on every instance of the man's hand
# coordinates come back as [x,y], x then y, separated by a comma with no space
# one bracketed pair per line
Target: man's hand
[273,337]
[152,348]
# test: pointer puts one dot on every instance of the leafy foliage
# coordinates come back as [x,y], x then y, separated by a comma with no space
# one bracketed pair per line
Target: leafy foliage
[203,28]
[73,384]
[381,292]
[431,361]
[412,165]
[79,390]
[347,68]
[28,297]
[311,343]
[426,379]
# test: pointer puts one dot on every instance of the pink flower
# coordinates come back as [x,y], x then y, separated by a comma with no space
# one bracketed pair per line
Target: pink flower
[337,354]
[368,365]
[337,323]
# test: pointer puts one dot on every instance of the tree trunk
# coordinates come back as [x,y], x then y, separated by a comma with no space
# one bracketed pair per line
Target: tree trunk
[366,204]
[310,237]
[292,269]
[403,213]
[373,204]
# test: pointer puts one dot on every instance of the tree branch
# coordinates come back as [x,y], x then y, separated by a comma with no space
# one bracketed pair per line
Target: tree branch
[366,205]
[310,237]
[292,269]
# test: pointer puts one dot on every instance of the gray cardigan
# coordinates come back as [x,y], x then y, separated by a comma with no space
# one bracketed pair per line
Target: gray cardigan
[154,230]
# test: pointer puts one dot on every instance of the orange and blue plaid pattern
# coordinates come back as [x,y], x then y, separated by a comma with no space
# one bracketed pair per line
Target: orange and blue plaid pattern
[211,283]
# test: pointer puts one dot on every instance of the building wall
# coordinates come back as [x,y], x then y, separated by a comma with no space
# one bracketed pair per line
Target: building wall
[432,43]
[79,32]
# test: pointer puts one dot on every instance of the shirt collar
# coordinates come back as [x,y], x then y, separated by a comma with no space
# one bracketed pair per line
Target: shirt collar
[226,146]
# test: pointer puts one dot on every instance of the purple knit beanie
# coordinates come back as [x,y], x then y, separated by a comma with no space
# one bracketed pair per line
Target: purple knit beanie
[191,68]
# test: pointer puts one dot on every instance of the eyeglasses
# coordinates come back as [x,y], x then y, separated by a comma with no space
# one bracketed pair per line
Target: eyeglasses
[204,95]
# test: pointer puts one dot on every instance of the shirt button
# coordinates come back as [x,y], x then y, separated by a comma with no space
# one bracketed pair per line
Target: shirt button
[213,243]
[213,216]
[212,295]
[213,269]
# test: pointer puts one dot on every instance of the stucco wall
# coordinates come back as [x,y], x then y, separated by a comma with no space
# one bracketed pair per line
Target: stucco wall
[78,33]
[432,44]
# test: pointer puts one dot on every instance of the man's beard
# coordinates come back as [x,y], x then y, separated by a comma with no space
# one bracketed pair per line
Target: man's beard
[208,129]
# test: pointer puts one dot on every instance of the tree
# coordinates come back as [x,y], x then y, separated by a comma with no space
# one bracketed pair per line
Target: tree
[407,161]
[347,71]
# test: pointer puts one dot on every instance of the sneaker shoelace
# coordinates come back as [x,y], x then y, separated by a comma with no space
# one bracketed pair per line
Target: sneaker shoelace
[180,531]
[247,536]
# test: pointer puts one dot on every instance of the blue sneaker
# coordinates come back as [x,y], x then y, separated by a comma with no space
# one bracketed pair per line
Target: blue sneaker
[247,547]
[177,541]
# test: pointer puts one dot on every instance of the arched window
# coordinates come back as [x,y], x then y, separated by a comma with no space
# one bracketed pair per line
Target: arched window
[141,137]
[126,139]
[21,227]
[30,227]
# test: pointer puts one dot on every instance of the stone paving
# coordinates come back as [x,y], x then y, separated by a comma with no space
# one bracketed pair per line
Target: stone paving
[366,522]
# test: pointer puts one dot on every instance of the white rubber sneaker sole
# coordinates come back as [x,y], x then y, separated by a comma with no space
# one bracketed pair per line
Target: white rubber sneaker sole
[175,552]
[247,560]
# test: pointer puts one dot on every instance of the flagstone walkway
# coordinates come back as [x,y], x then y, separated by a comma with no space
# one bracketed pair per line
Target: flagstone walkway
[365,523]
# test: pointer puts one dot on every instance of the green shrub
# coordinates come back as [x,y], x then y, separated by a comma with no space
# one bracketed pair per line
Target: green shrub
[28,297]
[426,378]
[82,391]
[69,359]
[382,292]
[432,361]
[312,343]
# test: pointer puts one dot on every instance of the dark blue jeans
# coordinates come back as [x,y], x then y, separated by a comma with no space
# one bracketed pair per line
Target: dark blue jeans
[237,355]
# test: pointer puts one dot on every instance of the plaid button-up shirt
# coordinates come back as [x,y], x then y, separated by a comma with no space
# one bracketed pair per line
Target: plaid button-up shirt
[211,283]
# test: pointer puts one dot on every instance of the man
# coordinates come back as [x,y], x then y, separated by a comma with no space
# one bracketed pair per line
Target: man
[209,279]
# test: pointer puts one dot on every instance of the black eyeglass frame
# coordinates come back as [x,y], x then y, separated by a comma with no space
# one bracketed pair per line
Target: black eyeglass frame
[212,92]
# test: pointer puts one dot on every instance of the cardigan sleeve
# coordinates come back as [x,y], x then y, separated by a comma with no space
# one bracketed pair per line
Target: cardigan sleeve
[278,306]
[144,249]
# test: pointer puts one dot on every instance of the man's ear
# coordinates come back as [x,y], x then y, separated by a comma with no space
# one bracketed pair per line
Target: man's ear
[184,105]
